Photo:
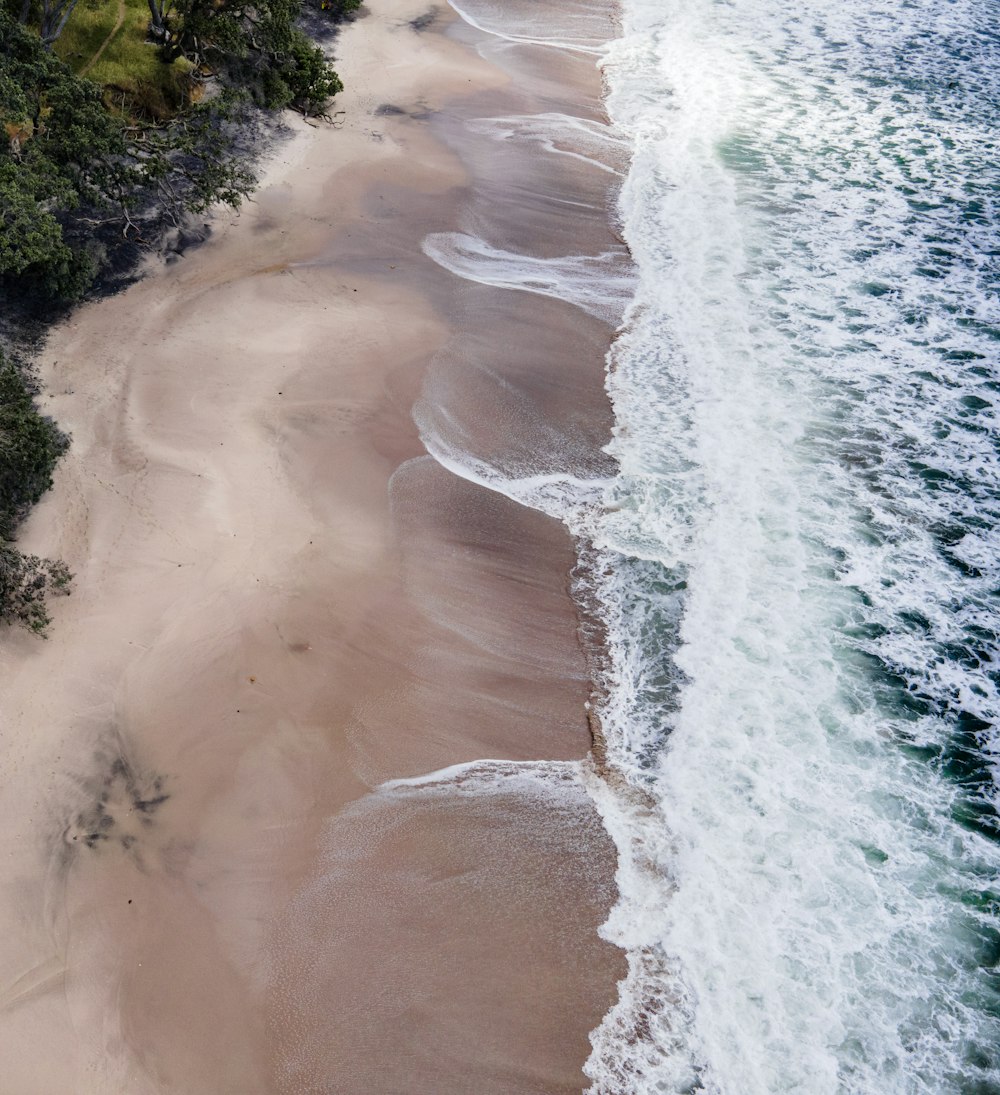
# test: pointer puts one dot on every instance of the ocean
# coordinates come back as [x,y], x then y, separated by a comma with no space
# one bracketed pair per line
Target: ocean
[794,563]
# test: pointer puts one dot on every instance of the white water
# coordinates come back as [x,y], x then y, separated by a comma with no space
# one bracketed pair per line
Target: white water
[596,283]
[797,560]
[485,776]
[533,24]
[560,134]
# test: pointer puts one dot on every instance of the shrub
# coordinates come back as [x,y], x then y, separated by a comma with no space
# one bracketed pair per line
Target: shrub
[30,445]
[25,582]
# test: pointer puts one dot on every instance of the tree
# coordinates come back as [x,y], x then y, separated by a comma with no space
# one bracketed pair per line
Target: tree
[307,74]
[185,164]
[63,149]
[26,581]
[55,14]
[51,16]
[71,167]
[253,45]
[30,445]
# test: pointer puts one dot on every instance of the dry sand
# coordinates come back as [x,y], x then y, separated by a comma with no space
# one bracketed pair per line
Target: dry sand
[281,602]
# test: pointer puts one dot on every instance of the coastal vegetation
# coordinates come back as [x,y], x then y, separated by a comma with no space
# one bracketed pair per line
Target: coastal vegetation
[30,445]
[120,119]
[142,132]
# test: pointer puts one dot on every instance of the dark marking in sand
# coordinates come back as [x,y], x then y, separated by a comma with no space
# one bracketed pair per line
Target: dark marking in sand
[390,110]
[183,238]
[123,802]
[422,22]
[148,805]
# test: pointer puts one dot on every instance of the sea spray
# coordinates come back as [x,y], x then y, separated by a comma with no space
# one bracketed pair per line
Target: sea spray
[490,777]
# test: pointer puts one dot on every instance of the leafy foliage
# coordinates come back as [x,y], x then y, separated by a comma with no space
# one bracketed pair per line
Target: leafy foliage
[30,445]
[70,166]
[305,78]
[186,162]
[25,583]
[63,149]
[254,45]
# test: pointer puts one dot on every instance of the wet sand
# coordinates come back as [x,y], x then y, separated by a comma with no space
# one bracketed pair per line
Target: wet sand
[281,602]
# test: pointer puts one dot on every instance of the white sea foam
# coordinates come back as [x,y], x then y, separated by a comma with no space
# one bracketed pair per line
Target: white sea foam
[599,284]
[491,777]
[559,494]
[559,134]
[536,28]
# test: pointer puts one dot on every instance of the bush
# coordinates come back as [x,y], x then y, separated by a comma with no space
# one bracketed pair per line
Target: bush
[310,79]
[30,445]
[70,168]
[62,152]
[25,582]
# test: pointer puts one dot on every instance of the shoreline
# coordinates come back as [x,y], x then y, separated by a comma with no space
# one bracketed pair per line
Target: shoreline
[272,618]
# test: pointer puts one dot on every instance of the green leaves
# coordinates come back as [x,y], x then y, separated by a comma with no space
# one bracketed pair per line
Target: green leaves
[30,445]
[25,583]
[69,165]
[69,168]
[80,138]
[187,162]
[255,46]
[62,150]
[311,80]
[29,235]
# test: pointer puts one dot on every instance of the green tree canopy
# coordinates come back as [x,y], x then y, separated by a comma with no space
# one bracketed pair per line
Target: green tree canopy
[62,148]
[69,165]
[254,45]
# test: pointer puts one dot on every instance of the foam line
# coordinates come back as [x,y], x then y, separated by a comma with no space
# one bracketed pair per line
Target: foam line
[585,137]
[573,45]
[600,285]
[489,777]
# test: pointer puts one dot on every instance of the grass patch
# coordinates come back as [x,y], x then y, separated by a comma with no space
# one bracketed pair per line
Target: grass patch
[88,27]
[136,81]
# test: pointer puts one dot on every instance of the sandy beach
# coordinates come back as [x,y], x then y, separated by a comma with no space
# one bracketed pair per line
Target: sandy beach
[281,602]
